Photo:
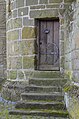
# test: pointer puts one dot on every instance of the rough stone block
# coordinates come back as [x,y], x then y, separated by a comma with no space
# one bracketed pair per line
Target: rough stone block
[9,63]
[16,62]
[37,7]
[68,65]
[62,35]
[28,74]
[2,32]
[1,59]
[77,39]
[62,48]
[44,13]
[76,75]
[13,35]
[10,24]
[43,2]
[23,11]
[53,6]
[28,22]
[75,64]
[55,1]
[17,23]
[3,19]
[68,1]
[1,47]
[76,54]
[12,74]
[19,3]
[14,4]
[28,62]
[1,74]
[20,75]
[31,2]
[27,47]
[14,13]
[13,48]
[28,32]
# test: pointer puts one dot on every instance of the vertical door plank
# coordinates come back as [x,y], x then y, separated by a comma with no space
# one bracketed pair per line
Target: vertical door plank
[50,40]
[56,41]
[42,42]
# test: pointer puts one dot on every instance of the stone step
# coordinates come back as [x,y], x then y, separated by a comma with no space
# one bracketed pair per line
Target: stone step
[47,89]
[45,113]
[47,81]
[40,105]
[42,96]
[46,74]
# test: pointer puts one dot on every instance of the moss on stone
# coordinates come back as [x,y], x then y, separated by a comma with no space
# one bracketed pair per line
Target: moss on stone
[68,74]
[13,74]
[13,35]
[55,1]
[46,74]
[28,32]
[74,108]
[20,75]
[43,2]
[17,23]
[31,2]
[44,13]
[16,62]
[27,47]
[28,62]
[59,1]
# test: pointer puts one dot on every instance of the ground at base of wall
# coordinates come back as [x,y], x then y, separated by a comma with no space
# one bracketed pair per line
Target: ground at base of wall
[72,99]
[4,114]
[74,107]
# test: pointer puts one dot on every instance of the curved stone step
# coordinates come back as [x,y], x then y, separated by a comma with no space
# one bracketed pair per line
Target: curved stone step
[46,113]
[42,96]
[47,89]
[47,74]
[40,105]
[47,81]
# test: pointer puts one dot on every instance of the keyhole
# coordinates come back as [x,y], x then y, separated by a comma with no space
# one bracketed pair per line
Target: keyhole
[40,43]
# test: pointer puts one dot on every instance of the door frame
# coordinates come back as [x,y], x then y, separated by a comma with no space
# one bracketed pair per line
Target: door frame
[37,22]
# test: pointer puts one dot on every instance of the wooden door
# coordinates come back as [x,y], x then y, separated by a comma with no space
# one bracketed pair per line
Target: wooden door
[48,45]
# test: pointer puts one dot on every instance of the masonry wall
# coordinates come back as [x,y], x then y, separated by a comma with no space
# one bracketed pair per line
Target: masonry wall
[21,42]
[71,37]
[22,39]
[2,40]
[71,43]
[21,33]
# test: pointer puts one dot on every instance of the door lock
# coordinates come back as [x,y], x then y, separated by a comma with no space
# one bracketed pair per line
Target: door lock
[46,31]
[40,43]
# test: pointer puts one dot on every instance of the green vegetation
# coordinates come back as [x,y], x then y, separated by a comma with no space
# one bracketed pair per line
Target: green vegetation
[4,112]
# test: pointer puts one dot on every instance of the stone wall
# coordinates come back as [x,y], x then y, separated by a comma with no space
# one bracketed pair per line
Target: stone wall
[21,40]
[2,40]
[21,33]
[71,38]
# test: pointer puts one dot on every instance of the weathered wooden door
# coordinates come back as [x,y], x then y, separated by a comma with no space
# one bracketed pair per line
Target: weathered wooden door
[48,45]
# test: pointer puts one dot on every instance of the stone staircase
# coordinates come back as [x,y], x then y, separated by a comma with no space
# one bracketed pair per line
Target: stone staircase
[43,97]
